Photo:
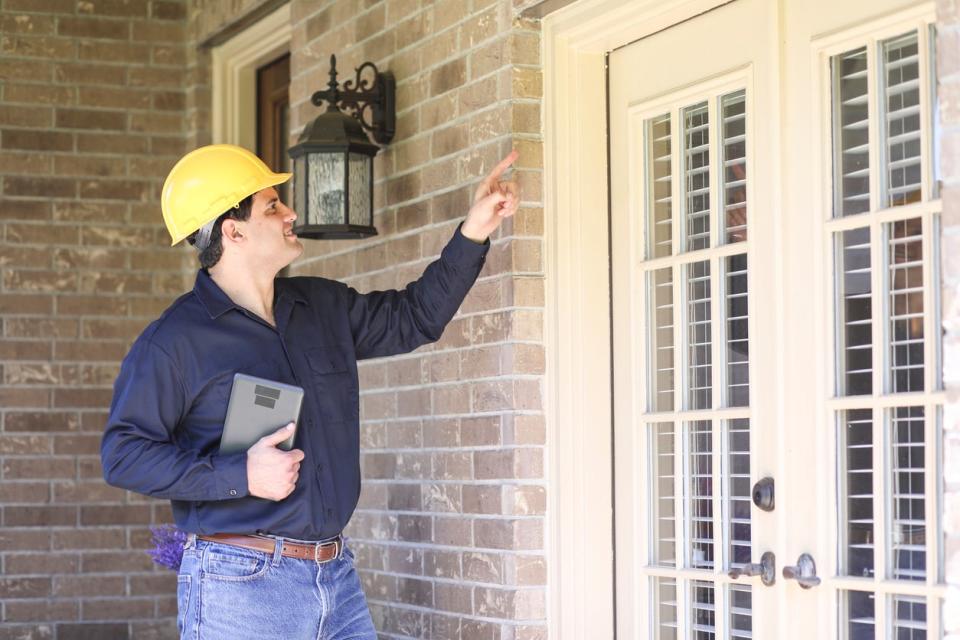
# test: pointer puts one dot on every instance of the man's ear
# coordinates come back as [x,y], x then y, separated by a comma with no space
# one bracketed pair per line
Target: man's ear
[231,231]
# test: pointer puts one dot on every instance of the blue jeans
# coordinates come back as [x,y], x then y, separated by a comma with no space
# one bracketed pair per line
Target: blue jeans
[231,593]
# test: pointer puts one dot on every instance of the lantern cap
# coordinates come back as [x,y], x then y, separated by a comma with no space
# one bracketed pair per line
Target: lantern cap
[333,131]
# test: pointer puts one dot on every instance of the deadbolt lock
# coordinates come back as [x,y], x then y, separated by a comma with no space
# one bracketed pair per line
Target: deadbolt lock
[763,494]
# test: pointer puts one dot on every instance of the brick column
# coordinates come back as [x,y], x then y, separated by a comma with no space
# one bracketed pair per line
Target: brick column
[450,528]
[91,120]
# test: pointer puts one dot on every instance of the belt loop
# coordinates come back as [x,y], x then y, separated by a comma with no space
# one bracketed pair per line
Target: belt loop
[277,550]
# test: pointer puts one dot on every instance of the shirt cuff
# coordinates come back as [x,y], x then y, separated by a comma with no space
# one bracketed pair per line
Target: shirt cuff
[231,474]
[462,251]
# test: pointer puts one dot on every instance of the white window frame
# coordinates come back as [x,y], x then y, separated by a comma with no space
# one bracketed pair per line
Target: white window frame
[234,77]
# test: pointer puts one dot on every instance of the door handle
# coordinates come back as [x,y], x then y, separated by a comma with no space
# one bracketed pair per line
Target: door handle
[805,572]
[766,569]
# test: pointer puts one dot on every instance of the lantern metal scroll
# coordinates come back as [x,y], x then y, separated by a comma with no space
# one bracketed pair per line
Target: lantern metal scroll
[333,159]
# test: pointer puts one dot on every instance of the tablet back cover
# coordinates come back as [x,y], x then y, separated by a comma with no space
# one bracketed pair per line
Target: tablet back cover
[257,408]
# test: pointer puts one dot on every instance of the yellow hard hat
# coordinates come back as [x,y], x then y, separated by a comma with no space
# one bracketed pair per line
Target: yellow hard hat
[207,182]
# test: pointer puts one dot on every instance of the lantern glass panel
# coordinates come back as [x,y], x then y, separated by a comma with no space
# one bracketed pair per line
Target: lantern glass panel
[300,186]
[361,173]
[325,180]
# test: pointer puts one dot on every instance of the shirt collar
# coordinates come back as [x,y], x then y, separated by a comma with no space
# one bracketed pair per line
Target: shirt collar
[211,296]
[217,303]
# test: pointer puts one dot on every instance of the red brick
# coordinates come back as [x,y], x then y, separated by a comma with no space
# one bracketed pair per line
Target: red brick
[36,141]
[45,234]
[41,421]
[18,116]
[83,27]
[38,516]
[82,397]
[98,538]
[23,492]
[41,563]
[115,283]
[24,397]
[132,53]
[77,444]
[37,47]
[88,586]
[24,350]
[90,351]
[37,467]
[45,187]
[116,561]
[107,515]
[24,587]
[45,610]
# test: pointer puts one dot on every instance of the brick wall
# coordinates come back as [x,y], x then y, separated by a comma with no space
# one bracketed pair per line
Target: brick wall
[450,529]
[92,116]
[948,91]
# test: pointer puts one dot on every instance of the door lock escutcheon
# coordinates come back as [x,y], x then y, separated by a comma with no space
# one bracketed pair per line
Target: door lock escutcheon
[766,569]
[805,572]
[763,494]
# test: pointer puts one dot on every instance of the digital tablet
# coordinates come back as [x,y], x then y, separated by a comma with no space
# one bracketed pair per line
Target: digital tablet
[257,408]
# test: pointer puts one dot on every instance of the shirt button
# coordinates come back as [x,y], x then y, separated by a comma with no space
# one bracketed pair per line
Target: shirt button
[319,467]
[233,492]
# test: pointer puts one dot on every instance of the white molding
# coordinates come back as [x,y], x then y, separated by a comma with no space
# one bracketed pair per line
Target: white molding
[234,76]
[579,542]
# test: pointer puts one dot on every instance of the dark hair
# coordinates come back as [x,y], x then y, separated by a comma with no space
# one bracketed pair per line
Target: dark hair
[211,255]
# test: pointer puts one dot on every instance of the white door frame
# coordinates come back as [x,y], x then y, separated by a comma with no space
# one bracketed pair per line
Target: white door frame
[576,40]
[234,77]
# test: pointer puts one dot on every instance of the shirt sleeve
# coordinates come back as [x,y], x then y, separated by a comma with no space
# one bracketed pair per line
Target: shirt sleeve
[138,450]
[385,323]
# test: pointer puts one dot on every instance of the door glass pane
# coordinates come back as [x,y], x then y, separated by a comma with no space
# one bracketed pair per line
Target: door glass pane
[851,157]
[665,592]
[696,166]
[738,444]
[659,187]
[738,346]
[741,617]
[660,287]
[700,504]
[666,483]
[861,615]
[734,173]
[700,379]
[909,618]
[855,329]
[857,461]
[703,611]
[908,538]
[900,113]
[906,305]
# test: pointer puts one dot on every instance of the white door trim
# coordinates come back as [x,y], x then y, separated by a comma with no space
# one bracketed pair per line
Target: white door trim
[234,75]
[576,40]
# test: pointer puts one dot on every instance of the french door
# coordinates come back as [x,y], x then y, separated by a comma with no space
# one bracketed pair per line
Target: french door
[777,394]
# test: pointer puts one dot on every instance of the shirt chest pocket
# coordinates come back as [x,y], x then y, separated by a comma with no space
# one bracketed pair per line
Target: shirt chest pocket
[335,389]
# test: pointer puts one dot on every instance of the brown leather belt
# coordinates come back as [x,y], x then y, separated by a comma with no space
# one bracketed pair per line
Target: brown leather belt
[320,551]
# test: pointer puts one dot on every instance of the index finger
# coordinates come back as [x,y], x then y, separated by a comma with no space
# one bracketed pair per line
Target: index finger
[500,168]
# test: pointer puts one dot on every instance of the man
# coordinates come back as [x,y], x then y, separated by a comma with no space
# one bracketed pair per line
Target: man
[264,556]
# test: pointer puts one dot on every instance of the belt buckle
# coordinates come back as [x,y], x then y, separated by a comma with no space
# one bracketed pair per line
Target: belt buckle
[338,544]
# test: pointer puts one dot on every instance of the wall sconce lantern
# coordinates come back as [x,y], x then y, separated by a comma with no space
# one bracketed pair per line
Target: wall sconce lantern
[333,159]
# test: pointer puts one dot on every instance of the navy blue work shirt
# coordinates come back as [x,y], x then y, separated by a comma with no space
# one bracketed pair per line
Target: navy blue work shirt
[170,399]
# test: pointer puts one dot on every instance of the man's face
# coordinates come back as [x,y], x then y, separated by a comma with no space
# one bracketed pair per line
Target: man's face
[270,239]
